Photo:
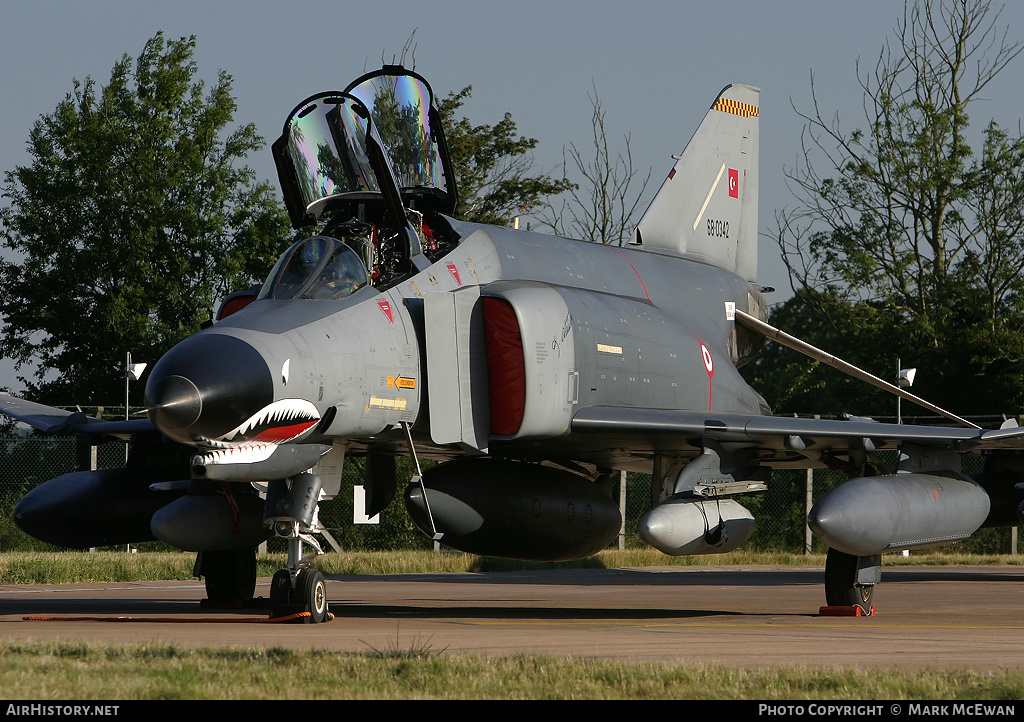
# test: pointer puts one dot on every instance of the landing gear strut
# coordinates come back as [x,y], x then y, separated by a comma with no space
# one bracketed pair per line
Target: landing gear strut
[850,581]
[290,513]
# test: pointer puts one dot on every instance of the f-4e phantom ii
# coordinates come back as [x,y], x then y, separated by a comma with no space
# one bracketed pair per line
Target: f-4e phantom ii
[529,367]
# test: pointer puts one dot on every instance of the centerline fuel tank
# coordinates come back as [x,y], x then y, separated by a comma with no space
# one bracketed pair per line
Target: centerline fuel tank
[510,509]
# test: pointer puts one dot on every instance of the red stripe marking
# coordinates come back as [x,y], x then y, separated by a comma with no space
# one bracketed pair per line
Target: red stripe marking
[709,366]
[229,497]
[637,274]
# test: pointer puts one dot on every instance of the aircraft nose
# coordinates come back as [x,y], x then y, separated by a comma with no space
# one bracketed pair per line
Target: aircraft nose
[206,386]
[176,402]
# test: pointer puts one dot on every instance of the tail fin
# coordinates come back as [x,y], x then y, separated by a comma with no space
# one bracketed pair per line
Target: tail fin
[707,207]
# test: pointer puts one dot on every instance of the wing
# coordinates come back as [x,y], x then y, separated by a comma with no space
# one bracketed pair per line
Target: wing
[781,441]
[59,421]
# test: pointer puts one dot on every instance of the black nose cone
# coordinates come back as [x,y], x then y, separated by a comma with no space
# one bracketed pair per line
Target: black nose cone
[206,386]
[178,402]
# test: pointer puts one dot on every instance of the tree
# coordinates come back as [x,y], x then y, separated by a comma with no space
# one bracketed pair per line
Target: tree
[602,208]
[129,223]
[909,240]
[492,166]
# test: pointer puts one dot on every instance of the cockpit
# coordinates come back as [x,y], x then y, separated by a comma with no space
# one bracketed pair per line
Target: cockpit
[371,164]
[318,268]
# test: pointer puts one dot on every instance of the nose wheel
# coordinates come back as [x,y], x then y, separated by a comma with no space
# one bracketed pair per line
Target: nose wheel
[305,593]
[313,592]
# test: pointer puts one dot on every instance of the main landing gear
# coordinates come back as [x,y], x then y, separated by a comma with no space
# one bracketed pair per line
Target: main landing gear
[229,576]
[850,581]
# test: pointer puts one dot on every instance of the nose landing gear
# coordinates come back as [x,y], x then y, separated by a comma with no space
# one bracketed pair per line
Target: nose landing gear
[302,594]
[298,589]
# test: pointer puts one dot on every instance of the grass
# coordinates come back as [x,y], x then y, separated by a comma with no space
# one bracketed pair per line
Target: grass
[68,567]
[67,670]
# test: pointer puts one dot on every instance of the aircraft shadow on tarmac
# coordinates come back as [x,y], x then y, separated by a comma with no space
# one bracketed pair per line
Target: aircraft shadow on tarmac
[684,576]
[696,576]
[948,574]
[511,610]
[36,605]
[14,606]
[15,609]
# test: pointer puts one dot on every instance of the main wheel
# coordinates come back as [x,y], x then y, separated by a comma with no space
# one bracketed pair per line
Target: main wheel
[230,576]
[841,589]
[311,592]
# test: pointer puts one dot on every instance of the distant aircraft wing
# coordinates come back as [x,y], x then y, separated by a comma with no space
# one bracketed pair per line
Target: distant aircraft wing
[58,421]
[780,438]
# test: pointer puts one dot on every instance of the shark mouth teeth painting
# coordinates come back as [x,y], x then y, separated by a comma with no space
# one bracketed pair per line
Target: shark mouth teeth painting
[250,454]
[278,423]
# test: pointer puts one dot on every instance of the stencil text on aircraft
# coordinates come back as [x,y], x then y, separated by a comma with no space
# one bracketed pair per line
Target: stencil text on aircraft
[717,228]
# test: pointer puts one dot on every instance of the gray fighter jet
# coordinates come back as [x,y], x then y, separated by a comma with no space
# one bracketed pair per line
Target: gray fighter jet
[528,366]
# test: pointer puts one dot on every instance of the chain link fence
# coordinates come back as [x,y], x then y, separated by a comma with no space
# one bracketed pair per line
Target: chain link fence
[779,512]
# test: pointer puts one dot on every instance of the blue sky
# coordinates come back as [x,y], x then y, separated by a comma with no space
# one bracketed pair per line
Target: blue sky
[657,65]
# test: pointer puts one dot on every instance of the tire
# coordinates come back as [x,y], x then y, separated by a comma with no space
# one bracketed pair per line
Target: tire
[281,589]
[841,589]
[311,592]
[230,576]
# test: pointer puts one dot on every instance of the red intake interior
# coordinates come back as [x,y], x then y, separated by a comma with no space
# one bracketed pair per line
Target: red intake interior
[506,367]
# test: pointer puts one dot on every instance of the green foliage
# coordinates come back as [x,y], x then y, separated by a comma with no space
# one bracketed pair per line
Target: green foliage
[129,224]
[492,166]
[793,383]
[911,240]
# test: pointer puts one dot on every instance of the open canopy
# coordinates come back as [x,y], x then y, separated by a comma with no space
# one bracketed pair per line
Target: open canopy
[380,138]
[402,109]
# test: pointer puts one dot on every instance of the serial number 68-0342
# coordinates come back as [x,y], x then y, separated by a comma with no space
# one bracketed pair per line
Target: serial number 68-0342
[718,229]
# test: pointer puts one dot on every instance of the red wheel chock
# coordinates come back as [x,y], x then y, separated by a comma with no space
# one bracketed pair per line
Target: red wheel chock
[852,611]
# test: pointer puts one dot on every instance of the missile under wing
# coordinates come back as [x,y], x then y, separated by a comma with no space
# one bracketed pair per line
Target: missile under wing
[528,368]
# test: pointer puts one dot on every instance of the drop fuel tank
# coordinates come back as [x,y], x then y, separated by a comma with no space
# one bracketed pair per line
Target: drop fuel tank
[515,510]
[87,509]
[876,514]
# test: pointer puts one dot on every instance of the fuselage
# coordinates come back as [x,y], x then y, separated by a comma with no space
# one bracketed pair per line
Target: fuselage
[629,327]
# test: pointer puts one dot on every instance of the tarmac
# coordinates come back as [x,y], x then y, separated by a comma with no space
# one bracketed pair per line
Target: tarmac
[954,617]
